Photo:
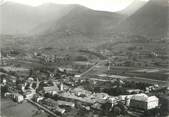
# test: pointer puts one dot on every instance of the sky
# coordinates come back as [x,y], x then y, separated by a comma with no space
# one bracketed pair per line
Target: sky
[103,5]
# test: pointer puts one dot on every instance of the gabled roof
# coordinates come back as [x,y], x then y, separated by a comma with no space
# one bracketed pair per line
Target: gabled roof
[143,97]
[51,88]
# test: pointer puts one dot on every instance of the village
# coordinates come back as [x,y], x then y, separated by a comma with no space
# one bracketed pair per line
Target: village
[59,91]
[84,58]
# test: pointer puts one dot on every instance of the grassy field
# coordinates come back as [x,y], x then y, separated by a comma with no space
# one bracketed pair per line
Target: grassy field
[161,74]
[12,109]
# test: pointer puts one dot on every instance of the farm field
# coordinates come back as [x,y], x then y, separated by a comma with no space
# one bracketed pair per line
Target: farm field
[12,109]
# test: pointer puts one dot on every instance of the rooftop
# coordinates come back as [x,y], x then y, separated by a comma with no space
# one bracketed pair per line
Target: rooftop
[51,88]
[143,97]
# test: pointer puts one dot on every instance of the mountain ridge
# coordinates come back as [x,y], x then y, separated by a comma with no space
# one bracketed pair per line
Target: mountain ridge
[80,26]
[152,20]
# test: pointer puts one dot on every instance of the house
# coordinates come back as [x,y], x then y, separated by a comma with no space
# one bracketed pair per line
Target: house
[51,90]
[144,102]
[17,97]
[29,94]
[7,94]
[97,106]
[133,91]
[80,92]
[65,103]
[59,110]
[37,98]
[100,97]
[126,99]
[4,81]
[53,105]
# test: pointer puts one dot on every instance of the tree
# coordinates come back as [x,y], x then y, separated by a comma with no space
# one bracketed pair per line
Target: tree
[117,111]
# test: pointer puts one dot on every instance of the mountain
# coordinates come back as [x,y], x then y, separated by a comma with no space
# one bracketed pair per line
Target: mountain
[152,20]
[21,19]
[80,27]
[136,32]
[132,8]
[82,20]
[144,37]
[52,25]
[85,27]
[57,25]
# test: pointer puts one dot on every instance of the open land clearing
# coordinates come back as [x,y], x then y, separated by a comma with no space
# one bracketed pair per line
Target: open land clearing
[12,109]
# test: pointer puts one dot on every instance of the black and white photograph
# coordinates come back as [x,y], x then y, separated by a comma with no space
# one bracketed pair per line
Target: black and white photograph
[84,58]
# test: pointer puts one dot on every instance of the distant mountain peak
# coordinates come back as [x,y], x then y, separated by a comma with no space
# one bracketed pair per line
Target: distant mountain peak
[151,20]
[131,9]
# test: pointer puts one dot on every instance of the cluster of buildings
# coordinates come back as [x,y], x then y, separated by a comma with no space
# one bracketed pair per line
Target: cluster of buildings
[95,101]
[52,58]
[56,106]
[56,95]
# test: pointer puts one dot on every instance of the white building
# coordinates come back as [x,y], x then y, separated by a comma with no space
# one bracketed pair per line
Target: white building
[126,99]
[65,103]
[51,90]
[4,81]
[38,98]
[142,101]
[29,94]
[17,97]
[7,94]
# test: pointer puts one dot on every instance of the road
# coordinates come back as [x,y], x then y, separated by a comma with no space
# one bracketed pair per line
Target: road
[141,79]
[96,64]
